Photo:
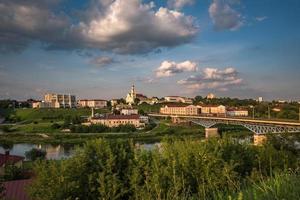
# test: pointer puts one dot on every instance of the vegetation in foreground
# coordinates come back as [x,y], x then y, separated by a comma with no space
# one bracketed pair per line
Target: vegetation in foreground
[178,169]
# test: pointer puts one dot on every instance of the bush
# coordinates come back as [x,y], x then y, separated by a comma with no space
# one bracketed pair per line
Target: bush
[12,172]
[55,126]
[35,154]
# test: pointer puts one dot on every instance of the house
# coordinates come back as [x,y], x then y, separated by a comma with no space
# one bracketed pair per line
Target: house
[129,111]
[237,112]
[116,120]
[92,103]
[178,99]
[212,109]
[179,110]
[16,190]
[41,104]
[7,159]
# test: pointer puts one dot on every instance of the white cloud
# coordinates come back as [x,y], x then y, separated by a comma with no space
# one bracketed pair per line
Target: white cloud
[212,78]
[224,17]
[261,18]
[129,26]
[179,4]
[122,26]
[169,68]
[102,61]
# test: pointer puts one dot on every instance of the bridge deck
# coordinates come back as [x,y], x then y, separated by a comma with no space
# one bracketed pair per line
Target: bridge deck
[254,121]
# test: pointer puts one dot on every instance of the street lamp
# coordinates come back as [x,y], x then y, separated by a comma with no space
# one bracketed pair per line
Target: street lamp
[269,113]
[253,114]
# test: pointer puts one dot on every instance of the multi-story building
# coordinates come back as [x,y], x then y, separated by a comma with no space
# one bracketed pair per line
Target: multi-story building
[61,100]
[179,110]
[92,103]
[41,104]
[129,111]
[212,109]
[235,112]
[178,99]
[116,120]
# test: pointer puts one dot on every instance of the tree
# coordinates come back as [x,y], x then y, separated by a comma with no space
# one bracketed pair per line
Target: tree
[35,154]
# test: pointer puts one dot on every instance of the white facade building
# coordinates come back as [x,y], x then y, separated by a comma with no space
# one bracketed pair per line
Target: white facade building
[129,112]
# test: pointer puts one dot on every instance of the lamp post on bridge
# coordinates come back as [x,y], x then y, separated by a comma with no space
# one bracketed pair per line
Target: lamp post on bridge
[253,114]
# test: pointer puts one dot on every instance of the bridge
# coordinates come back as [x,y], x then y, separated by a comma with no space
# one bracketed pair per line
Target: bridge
[259,127]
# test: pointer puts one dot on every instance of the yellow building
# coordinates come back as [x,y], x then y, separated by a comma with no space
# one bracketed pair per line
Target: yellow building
[212,109]
[179,110]
[235,112]
[61,100]
[92,103]
[116,120]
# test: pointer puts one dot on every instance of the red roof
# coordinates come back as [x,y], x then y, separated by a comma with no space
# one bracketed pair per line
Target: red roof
[16,189]
[174,105]
[12,159]
[120,117]
[213,106]
[92,100]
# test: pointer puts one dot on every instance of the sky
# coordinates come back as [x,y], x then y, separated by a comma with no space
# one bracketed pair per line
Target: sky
[99,48]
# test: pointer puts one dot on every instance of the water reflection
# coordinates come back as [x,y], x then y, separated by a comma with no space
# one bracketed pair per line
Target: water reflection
[54,152]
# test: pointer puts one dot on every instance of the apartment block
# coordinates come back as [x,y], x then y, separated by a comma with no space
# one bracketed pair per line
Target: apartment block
[61,100]
[92,103]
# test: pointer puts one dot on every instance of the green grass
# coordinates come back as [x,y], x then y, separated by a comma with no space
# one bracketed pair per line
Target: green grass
[28,133]
[283,185]
[45,114]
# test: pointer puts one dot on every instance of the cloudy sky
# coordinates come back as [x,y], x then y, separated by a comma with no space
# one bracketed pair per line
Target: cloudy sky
[99,48]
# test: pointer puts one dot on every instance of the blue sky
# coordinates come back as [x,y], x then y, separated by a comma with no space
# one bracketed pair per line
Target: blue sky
[99,48]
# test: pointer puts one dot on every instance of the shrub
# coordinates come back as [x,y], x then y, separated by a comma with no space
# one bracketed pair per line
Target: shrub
[35,154]
[55,126]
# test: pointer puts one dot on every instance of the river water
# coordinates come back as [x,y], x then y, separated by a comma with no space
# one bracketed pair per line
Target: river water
[54,152]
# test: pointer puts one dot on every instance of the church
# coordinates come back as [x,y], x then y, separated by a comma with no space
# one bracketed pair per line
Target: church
[130,98]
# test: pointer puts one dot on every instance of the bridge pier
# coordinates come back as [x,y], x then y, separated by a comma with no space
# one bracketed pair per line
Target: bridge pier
[259,139]
[211,132]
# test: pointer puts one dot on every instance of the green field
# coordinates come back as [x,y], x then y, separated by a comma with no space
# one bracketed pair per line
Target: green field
[44,114]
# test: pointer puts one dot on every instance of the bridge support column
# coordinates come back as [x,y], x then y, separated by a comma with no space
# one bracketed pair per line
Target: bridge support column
[211,132]
[259,139]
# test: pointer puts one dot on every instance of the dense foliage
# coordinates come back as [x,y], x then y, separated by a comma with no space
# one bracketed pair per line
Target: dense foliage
[178,169]
[35,154]
[99,128]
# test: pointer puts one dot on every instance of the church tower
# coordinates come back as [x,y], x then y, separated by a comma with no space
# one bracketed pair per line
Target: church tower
[131,96]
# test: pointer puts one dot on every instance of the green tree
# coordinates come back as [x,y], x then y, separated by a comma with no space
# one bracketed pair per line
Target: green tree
[35,154]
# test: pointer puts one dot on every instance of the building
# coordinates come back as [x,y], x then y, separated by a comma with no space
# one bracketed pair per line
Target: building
[178,99]
[114,102]
[260,99]
[212,109]
[211,96]
[179,110]
[116,120]
[235,112]
[131,96]
[61,100]
[6,159]
[17,189]
[92,103]
[141,97]
[129,111]
[41,104]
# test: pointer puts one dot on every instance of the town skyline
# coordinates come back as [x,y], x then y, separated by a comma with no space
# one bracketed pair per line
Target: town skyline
[98,49]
